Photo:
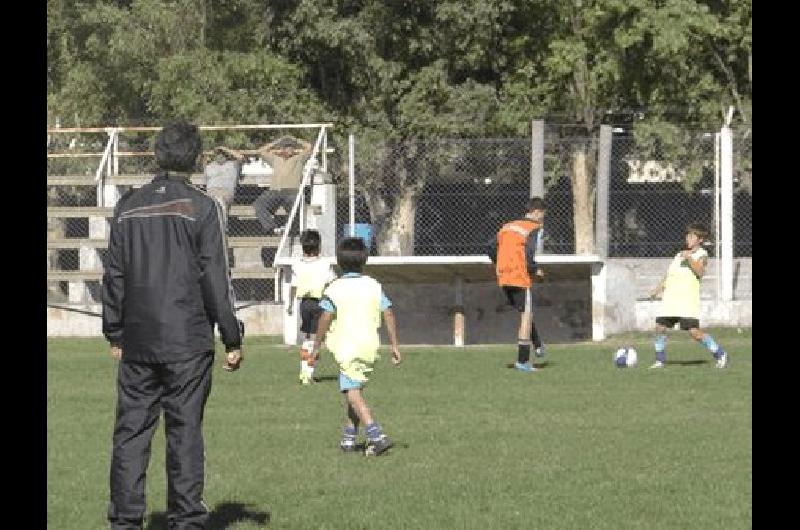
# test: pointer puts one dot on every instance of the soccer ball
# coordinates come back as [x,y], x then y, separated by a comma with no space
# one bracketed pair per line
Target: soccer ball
[625,357]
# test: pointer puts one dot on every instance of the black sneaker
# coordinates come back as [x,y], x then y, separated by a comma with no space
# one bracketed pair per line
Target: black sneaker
[379,446]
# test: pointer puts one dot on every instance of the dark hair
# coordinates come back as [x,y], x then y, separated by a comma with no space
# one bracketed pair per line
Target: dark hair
[536,203]
[177,146]
[697,229]
[310,241]
[351,254]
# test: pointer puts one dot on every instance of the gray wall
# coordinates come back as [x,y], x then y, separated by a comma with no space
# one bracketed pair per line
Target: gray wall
[562,307]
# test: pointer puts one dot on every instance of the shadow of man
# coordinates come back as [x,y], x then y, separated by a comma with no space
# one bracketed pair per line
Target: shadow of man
[221,517]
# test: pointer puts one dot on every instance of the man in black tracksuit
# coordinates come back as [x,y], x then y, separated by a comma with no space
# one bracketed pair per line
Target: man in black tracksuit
[166,284]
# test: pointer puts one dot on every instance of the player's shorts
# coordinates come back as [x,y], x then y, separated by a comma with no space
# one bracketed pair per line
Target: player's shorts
[518,297]
[346,383]
[309,314]
[686,323]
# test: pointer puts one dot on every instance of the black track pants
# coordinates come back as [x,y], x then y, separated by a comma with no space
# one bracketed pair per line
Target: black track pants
[143,390]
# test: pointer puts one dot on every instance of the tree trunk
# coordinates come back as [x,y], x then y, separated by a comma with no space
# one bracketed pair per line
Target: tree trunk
[583,191]
[396,237]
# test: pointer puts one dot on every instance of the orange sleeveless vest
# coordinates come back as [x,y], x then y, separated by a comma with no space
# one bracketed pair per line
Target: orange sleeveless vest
[511,267]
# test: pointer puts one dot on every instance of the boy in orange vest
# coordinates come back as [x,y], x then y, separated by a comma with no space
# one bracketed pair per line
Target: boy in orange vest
[513,252]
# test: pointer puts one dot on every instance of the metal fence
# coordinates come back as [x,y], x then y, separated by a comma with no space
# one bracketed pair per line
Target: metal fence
[81,192]
[413,198]
[743,193]
[655,190]
[438,197]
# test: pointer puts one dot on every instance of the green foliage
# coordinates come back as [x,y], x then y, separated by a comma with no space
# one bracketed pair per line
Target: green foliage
[410,68]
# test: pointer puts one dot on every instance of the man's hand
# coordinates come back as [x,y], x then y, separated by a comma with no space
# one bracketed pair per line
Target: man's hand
[233,359]
[396,357]
[116,352]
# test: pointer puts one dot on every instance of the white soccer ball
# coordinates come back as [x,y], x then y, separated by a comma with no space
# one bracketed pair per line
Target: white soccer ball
[625,357]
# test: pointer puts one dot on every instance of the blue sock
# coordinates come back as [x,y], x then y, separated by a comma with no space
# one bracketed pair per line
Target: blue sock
[712,346]
[661,348]
[374,431]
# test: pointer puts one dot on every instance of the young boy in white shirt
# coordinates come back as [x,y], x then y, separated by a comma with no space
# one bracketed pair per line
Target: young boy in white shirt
[309,277]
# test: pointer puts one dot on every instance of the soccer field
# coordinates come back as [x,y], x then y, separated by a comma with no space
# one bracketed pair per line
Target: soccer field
[578,444]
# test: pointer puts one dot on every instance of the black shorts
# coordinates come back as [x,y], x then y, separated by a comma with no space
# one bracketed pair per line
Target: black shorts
[516,296]
[686,323]
[309,314]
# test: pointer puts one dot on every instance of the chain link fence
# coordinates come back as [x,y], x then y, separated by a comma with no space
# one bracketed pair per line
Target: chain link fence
[569,165]
[655,190]
[438,197]
[743,193]
[419,197]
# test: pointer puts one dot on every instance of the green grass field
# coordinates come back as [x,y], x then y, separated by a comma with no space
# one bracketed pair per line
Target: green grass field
[579,444]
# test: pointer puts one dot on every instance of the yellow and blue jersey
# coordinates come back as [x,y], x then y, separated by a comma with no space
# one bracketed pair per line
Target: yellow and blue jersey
[357,302]
[682,288]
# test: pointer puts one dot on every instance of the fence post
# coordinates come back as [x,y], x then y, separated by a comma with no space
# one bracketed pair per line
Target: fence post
[351,153]
[601,210]
[537,158]
[726,209]
[537,170]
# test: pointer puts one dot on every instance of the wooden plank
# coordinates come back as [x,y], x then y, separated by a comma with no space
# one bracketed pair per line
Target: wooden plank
[253,274]
[73,276]
[233,242]
[76,243]
[237,210]
[254,242]
[201,127]
[71,180]
[198,179]
[242,210]
[96,275]
[79,211]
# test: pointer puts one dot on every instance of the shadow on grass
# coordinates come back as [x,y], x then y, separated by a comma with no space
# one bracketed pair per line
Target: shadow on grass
[221,517]
[689,363]
[321,378]
[361,447]
[543,364]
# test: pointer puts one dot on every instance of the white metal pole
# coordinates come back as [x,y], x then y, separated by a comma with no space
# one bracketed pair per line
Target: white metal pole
[352,156]
[116,150]
[726,211]
[717,235]
[325,150]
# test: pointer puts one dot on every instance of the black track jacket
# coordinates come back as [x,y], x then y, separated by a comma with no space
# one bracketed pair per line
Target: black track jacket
[166,280]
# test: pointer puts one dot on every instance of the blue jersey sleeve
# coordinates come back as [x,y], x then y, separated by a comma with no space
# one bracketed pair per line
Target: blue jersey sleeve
[385,302]
[327,305]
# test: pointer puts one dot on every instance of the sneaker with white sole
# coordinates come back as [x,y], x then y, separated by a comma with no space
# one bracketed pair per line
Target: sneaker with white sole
[657,364]
[348,445]
[379,446]
[722,362]
[524,367]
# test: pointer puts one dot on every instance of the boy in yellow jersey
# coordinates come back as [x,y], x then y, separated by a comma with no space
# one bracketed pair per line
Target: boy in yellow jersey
[681,300]
[353,305]
[309,277]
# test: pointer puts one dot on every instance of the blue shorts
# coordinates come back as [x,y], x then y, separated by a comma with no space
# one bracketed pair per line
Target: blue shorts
[345,383]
